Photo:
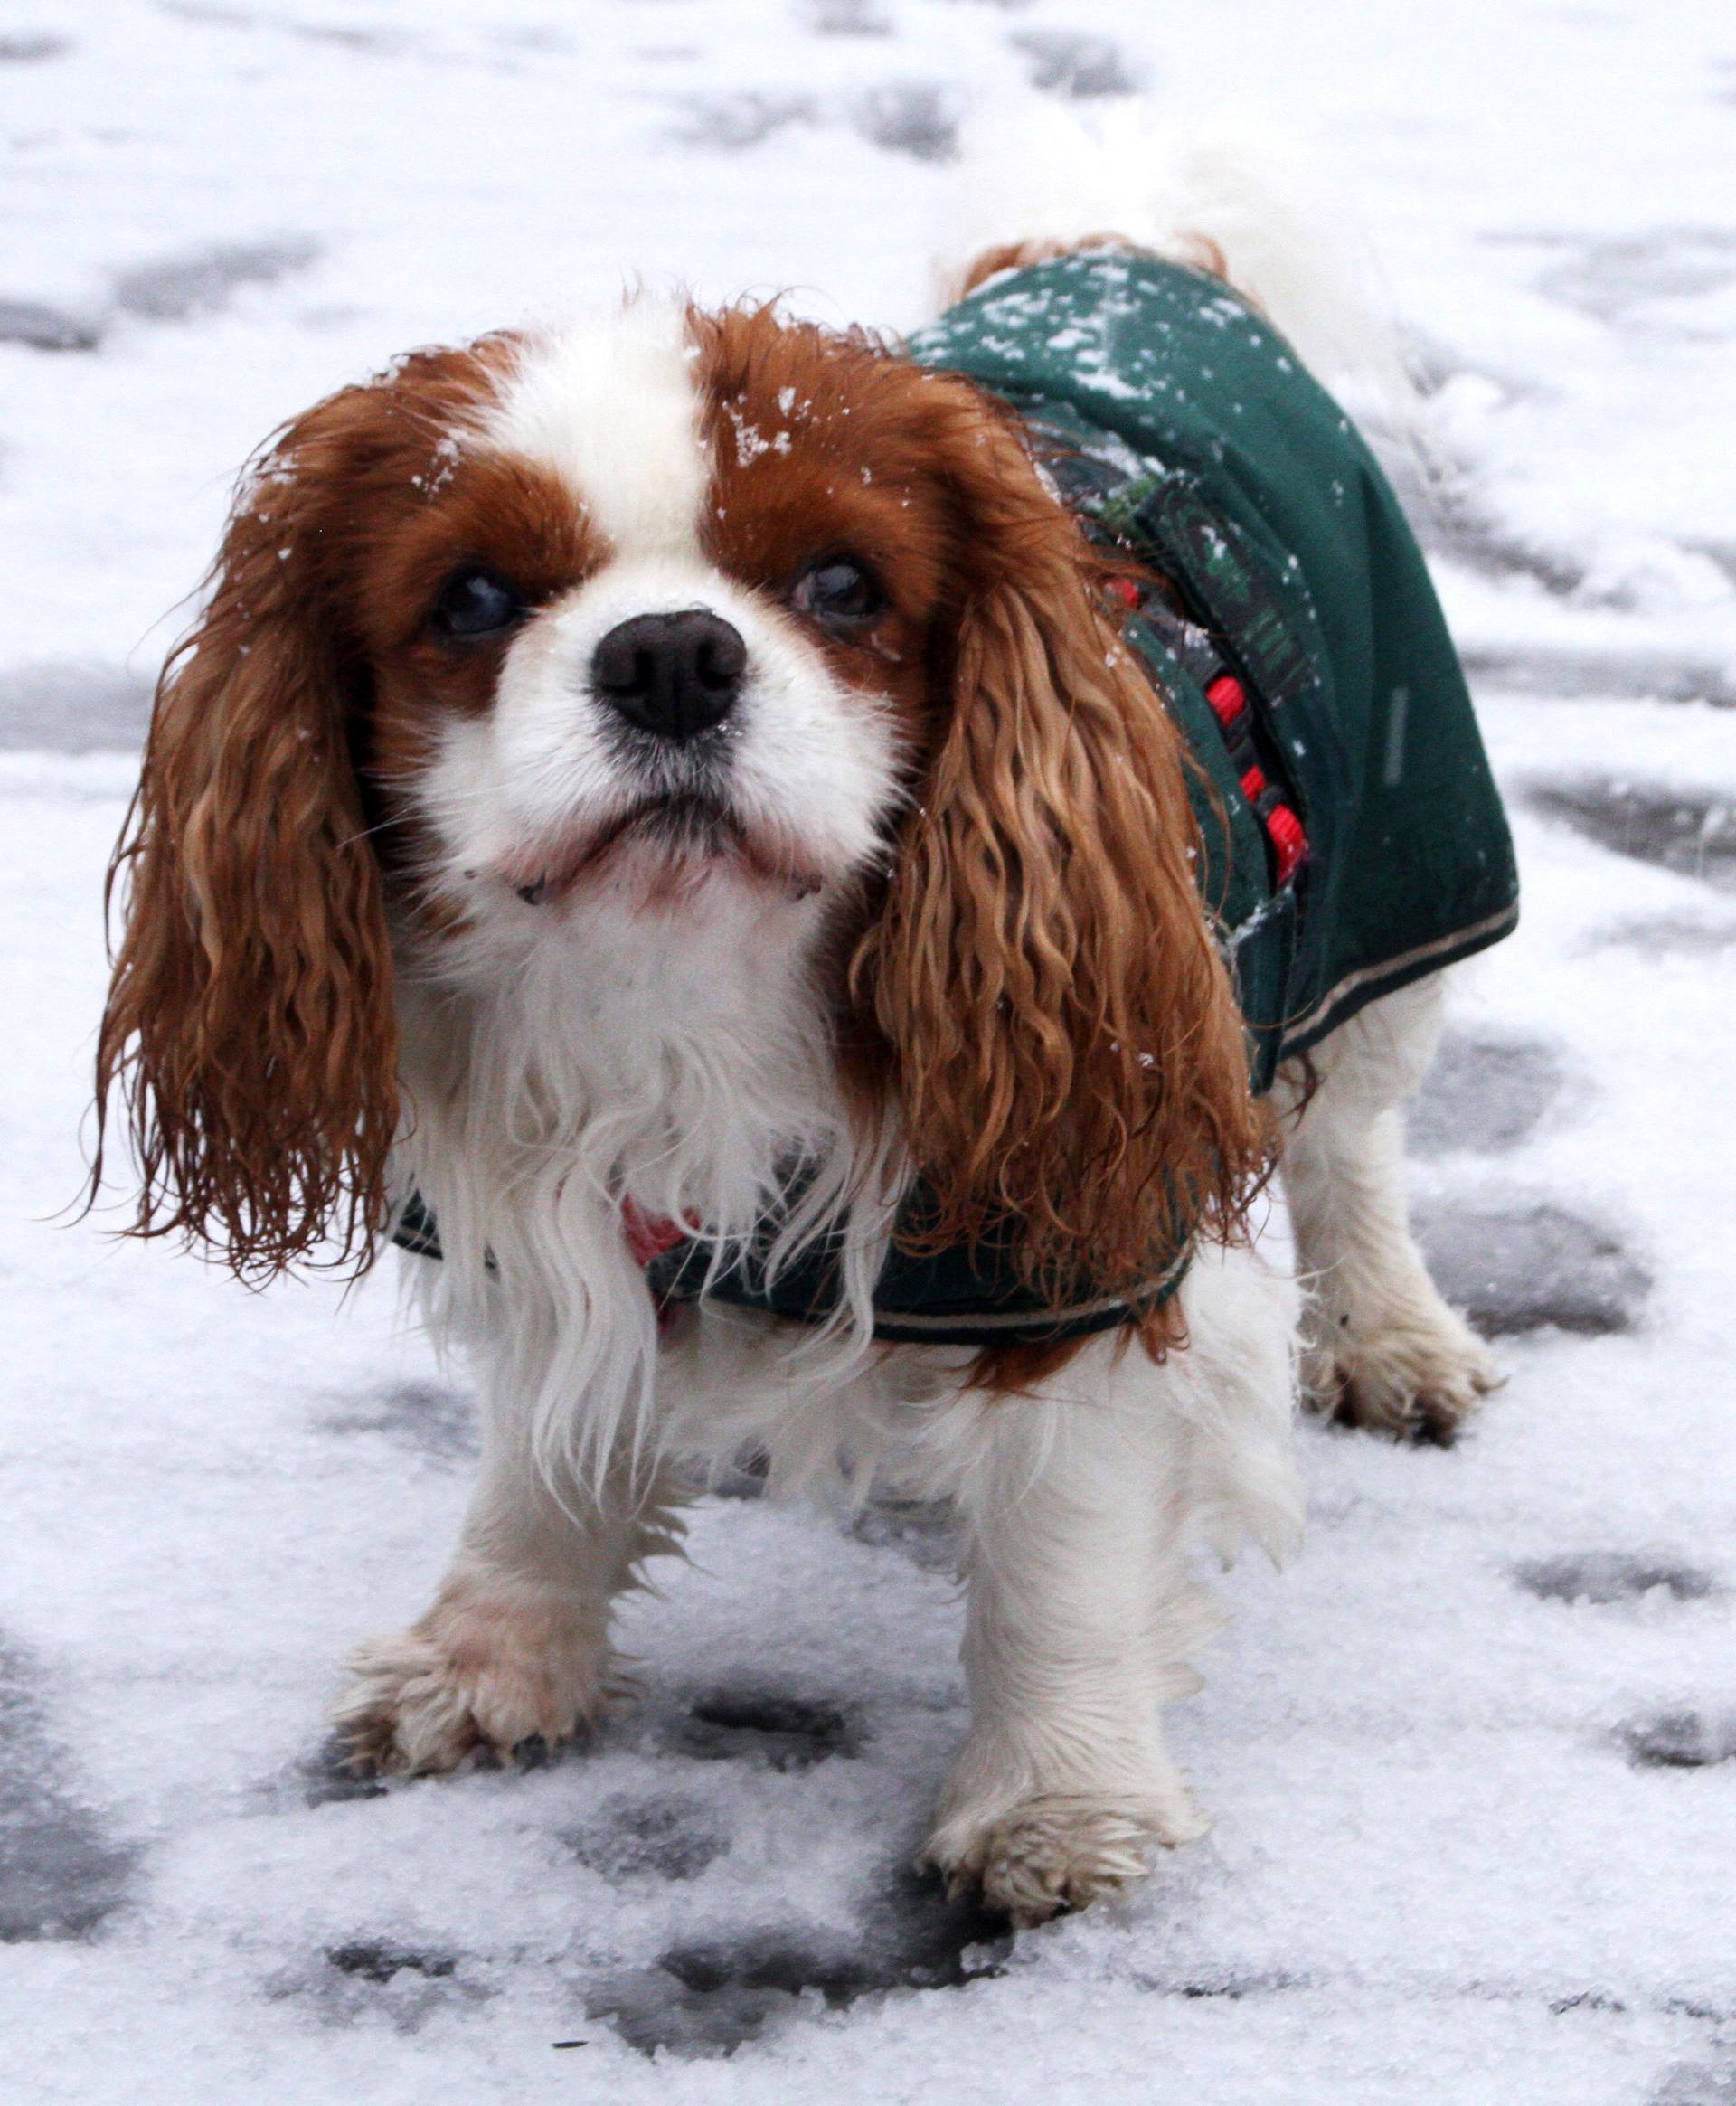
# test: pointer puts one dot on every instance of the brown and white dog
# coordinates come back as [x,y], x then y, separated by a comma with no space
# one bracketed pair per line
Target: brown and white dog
[616,761]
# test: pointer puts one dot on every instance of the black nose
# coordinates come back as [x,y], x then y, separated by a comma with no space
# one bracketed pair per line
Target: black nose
[673,675]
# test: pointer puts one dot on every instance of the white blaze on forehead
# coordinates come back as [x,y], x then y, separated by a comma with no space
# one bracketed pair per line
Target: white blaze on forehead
[611,406]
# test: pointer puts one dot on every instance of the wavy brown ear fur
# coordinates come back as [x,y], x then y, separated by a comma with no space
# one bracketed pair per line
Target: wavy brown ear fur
[1068,1048]
[249,1029]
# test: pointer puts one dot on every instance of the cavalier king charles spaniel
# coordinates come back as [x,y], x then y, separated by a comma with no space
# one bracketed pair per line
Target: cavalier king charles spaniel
[681,782]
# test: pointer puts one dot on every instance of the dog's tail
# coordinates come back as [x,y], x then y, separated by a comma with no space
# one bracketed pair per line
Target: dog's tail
[1036,181]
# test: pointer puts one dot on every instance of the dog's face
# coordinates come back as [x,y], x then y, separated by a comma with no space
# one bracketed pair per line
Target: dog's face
[658,621]
[688,609]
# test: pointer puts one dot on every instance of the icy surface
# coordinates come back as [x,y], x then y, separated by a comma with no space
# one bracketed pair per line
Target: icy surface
[1473,1761]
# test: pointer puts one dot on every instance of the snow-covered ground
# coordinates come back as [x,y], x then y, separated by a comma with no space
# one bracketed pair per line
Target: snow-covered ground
[1473,1761]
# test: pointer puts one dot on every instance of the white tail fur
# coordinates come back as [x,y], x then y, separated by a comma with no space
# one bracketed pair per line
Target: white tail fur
[1035,172]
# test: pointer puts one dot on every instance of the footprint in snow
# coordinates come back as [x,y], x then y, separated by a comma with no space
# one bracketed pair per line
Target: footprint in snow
[69,705]
[669,1838]
[1484,1094]
[770,1728]
[61,1874]
[1682,1738]
[1690,832]
[1525,1266]
[709,1999]
[427,1418]
[1604,1578]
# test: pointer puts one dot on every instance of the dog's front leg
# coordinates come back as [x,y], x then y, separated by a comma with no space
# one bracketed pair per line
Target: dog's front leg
[1082,1504]
[515,1644]
[1064,1783]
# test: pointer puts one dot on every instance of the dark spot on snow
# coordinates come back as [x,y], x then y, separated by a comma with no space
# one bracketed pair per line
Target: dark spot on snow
[1232,1987]
[343,36]
[848,18]
[346,37]
[1613,280]
[925,1530]
[72,708]
[426,1417]
[1451,521]
[708,1998]
[919,1933]
[1449,524]
[1488,549]
[45,328]
[1699,2083]
[1693,833]
[767,1727]
[773,1963]
[1680,1739]
[912,117]
[1692,2007]
[1586,2000]
[29,46]
[60,1875]
[1522,1268]
[377,1960]
[1603,1577]
[541,36]
[657,1838]
[204,280]
[1613,676]
[1631,676]
[731,122]
[1065,61]
[1722,552]
[207,11]
[1655,933]
[1431,363]
[706,2002]
[1484,1094]
[374,1977]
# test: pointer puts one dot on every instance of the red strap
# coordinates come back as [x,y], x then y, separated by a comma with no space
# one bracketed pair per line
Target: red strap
[649,1236]
[1228,701]
[1226,697]
[1284,830]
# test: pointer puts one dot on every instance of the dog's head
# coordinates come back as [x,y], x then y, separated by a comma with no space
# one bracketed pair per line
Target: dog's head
[688,609]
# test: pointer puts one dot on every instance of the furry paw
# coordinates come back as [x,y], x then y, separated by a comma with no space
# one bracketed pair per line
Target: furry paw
[1056,1851]
[484,1670]
[1417,1379]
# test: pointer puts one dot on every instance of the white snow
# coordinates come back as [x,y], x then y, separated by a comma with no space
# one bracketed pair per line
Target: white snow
[1473,1761]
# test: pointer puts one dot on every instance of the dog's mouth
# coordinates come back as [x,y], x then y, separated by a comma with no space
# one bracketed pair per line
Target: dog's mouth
[689,832]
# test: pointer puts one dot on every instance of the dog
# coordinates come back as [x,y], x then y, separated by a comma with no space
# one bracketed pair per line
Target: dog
[809,881]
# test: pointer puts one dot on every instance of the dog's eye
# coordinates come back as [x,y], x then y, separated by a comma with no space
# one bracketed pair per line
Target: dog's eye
[839,592]
[474,602]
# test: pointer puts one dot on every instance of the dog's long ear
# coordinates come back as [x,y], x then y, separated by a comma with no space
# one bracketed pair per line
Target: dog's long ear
[1068,1050]
[250,1030]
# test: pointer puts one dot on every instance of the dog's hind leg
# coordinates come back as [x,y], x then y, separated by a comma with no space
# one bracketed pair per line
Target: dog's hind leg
[1383,1349]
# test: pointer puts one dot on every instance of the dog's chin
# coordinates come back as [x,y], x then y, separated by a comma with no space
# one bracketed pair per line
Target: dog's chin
[662,850]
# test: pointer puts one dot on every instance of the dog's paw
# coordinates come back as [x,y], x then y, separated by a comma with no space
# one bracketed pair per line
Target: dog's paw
[1059,1850]
[1036,1840]
[484,1670]
[1414,1380]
